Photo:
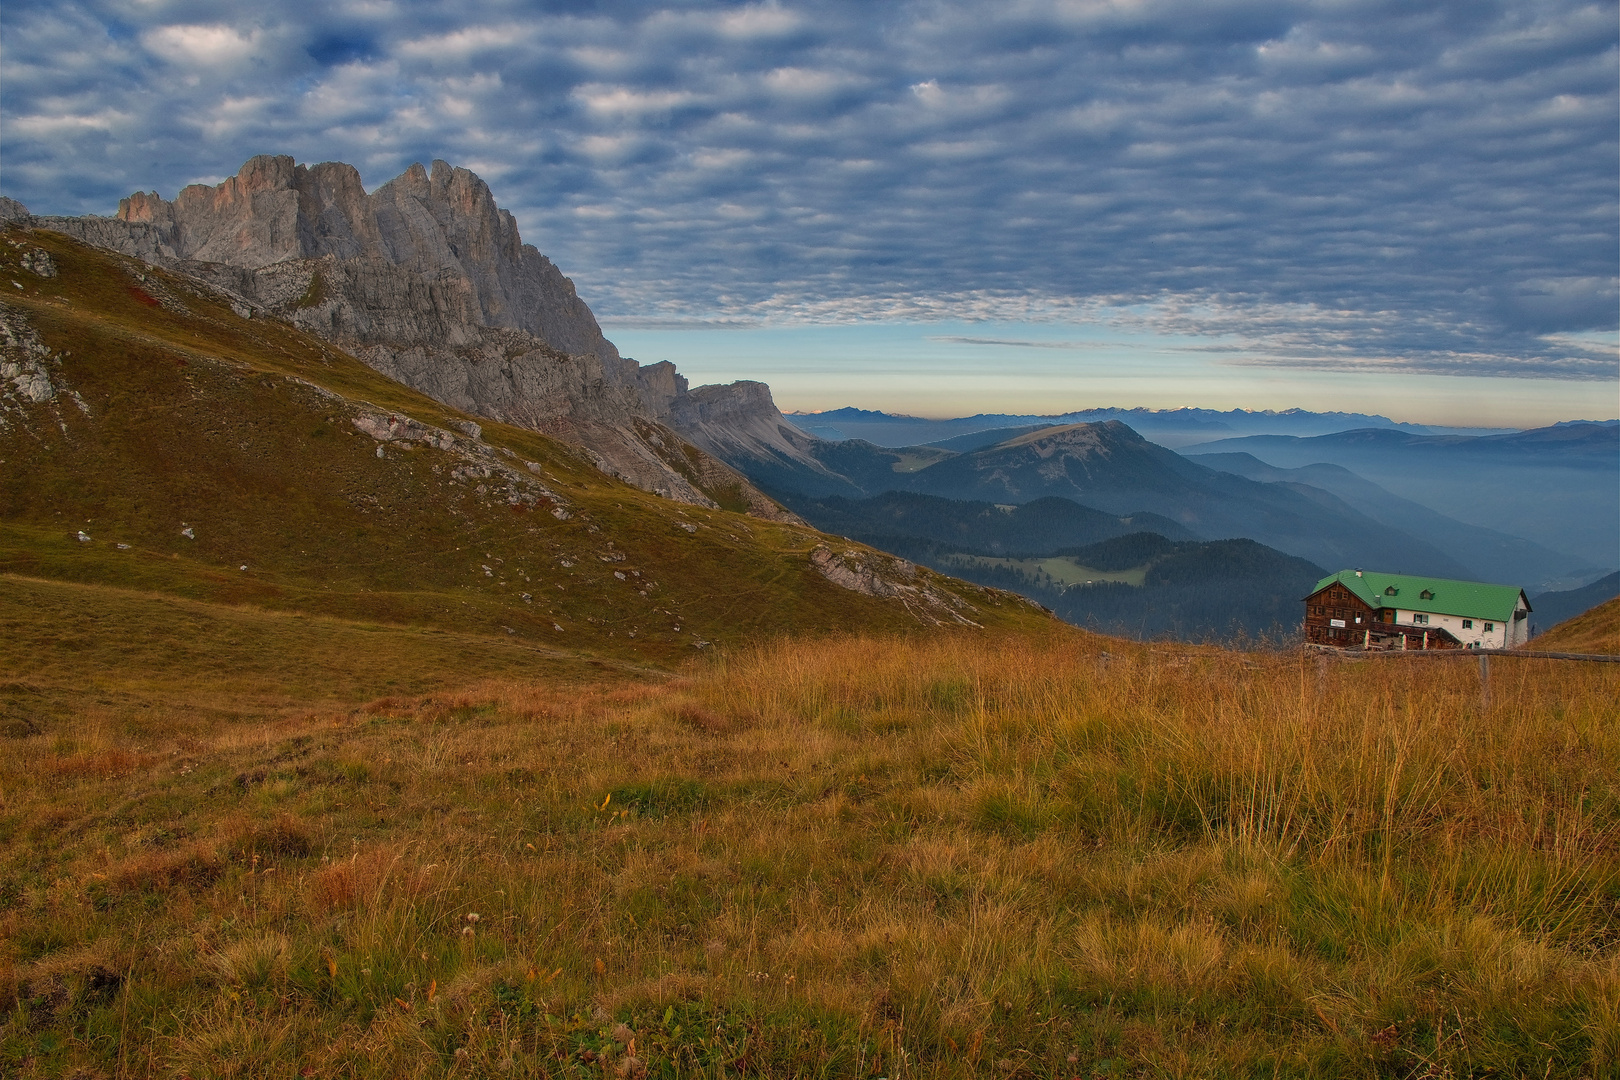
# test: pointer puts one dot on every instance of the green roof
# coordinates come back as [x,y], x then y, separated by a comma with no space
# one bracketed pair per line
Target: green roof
[1469,599]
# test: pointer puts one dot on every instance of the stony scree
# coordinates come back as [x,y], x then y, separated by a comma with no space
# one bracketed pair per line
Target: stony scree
[476,460]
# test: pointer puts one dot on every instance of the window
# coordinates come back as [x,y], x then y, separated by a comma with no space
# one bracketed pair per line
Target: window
[1420,619]
[1468,624]
[1489,627]
[1389,591]
[1426,594]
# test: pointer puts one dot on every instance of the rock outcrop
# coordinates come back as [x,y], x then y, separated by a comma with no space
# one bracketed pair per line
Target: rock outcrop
[29,372]
[865,573]
[429,282]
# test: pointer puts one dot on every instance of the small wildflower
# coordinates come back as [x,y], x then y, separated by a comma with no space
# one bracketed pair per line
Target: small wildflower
[472,916]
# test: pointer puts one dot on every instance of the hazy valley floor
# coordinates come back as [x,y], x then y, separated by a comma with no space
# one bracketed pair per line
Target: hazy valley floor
[299,852]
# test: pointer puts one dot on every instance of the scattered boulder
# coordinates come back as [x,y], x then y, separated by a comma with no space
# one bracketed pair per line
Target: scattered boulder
[477,461]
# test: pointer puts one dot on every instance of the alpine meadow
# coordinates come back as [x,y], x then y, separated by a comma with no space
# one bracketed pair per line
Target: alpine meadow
[474,760]
[810,540]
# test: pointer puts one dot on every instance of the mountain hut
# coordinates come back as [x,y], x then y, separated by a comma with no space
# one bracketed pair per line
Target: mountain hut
[1373,610]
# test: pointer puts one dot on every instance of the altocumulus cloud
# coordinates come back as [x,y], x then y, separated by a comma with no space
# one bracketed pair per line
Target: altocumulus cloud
[1356,184]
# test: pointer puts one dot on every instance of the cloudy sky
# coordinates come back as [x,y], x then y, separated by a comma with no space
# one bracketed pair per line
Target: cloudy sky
[942,206]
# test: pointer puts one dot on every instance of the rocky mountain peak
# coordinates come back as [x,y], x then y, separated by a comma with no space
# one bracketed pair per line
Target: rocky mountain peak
[442,223]
[429,281]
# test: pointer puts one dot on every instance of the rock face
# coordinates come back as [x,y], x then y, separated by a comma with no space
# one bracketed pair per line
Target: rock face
[463,263]
[429,282]
[740,423]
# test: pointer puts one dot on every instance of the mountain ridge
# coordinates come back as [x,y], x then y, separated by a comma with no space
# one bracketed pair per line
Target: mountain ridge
[428,281]
[1167,427]
[154,439]
[1109,468]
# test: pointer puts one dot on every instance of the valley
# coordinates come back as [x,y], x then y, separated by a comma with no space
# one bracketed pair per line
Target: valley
[1557,486]
[1054,570]
[932,504]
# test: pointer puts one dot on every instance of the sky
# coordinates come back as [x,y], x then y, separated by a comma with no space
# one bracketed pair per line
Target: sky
[942,207]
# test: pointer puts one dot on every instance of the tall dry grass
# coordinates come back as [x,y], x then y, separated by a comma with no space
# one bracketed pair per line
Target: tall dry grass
[848,858]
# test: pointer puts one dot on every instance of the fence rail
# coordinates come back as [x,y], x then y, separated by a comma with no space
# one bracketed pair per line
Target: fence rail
[1521,654]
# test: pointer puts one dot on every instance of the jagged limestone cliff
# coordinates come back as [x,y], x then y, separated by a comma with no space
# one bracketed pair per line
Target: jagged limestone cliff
[429,282]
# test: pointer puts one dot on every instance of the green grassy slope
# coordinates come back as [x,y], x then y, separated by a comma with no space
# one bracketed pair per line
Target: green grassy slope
[172,412]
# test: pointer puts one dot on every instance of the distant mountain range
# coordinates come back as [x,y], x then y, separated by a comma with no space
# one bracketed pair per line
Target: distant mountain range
[899,521]
[1167,427]
[1489,554]
[1110,468]
[1539,507]
[1556,486]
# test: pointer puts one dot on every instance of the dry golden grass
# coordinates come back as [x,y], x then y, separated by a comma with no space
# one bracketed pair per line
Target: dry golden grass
[863,857]
[1594,631]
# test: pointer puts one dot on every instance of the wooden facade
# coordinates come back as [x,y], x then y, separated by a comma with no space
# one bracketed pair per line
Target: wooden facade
[1337,617]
